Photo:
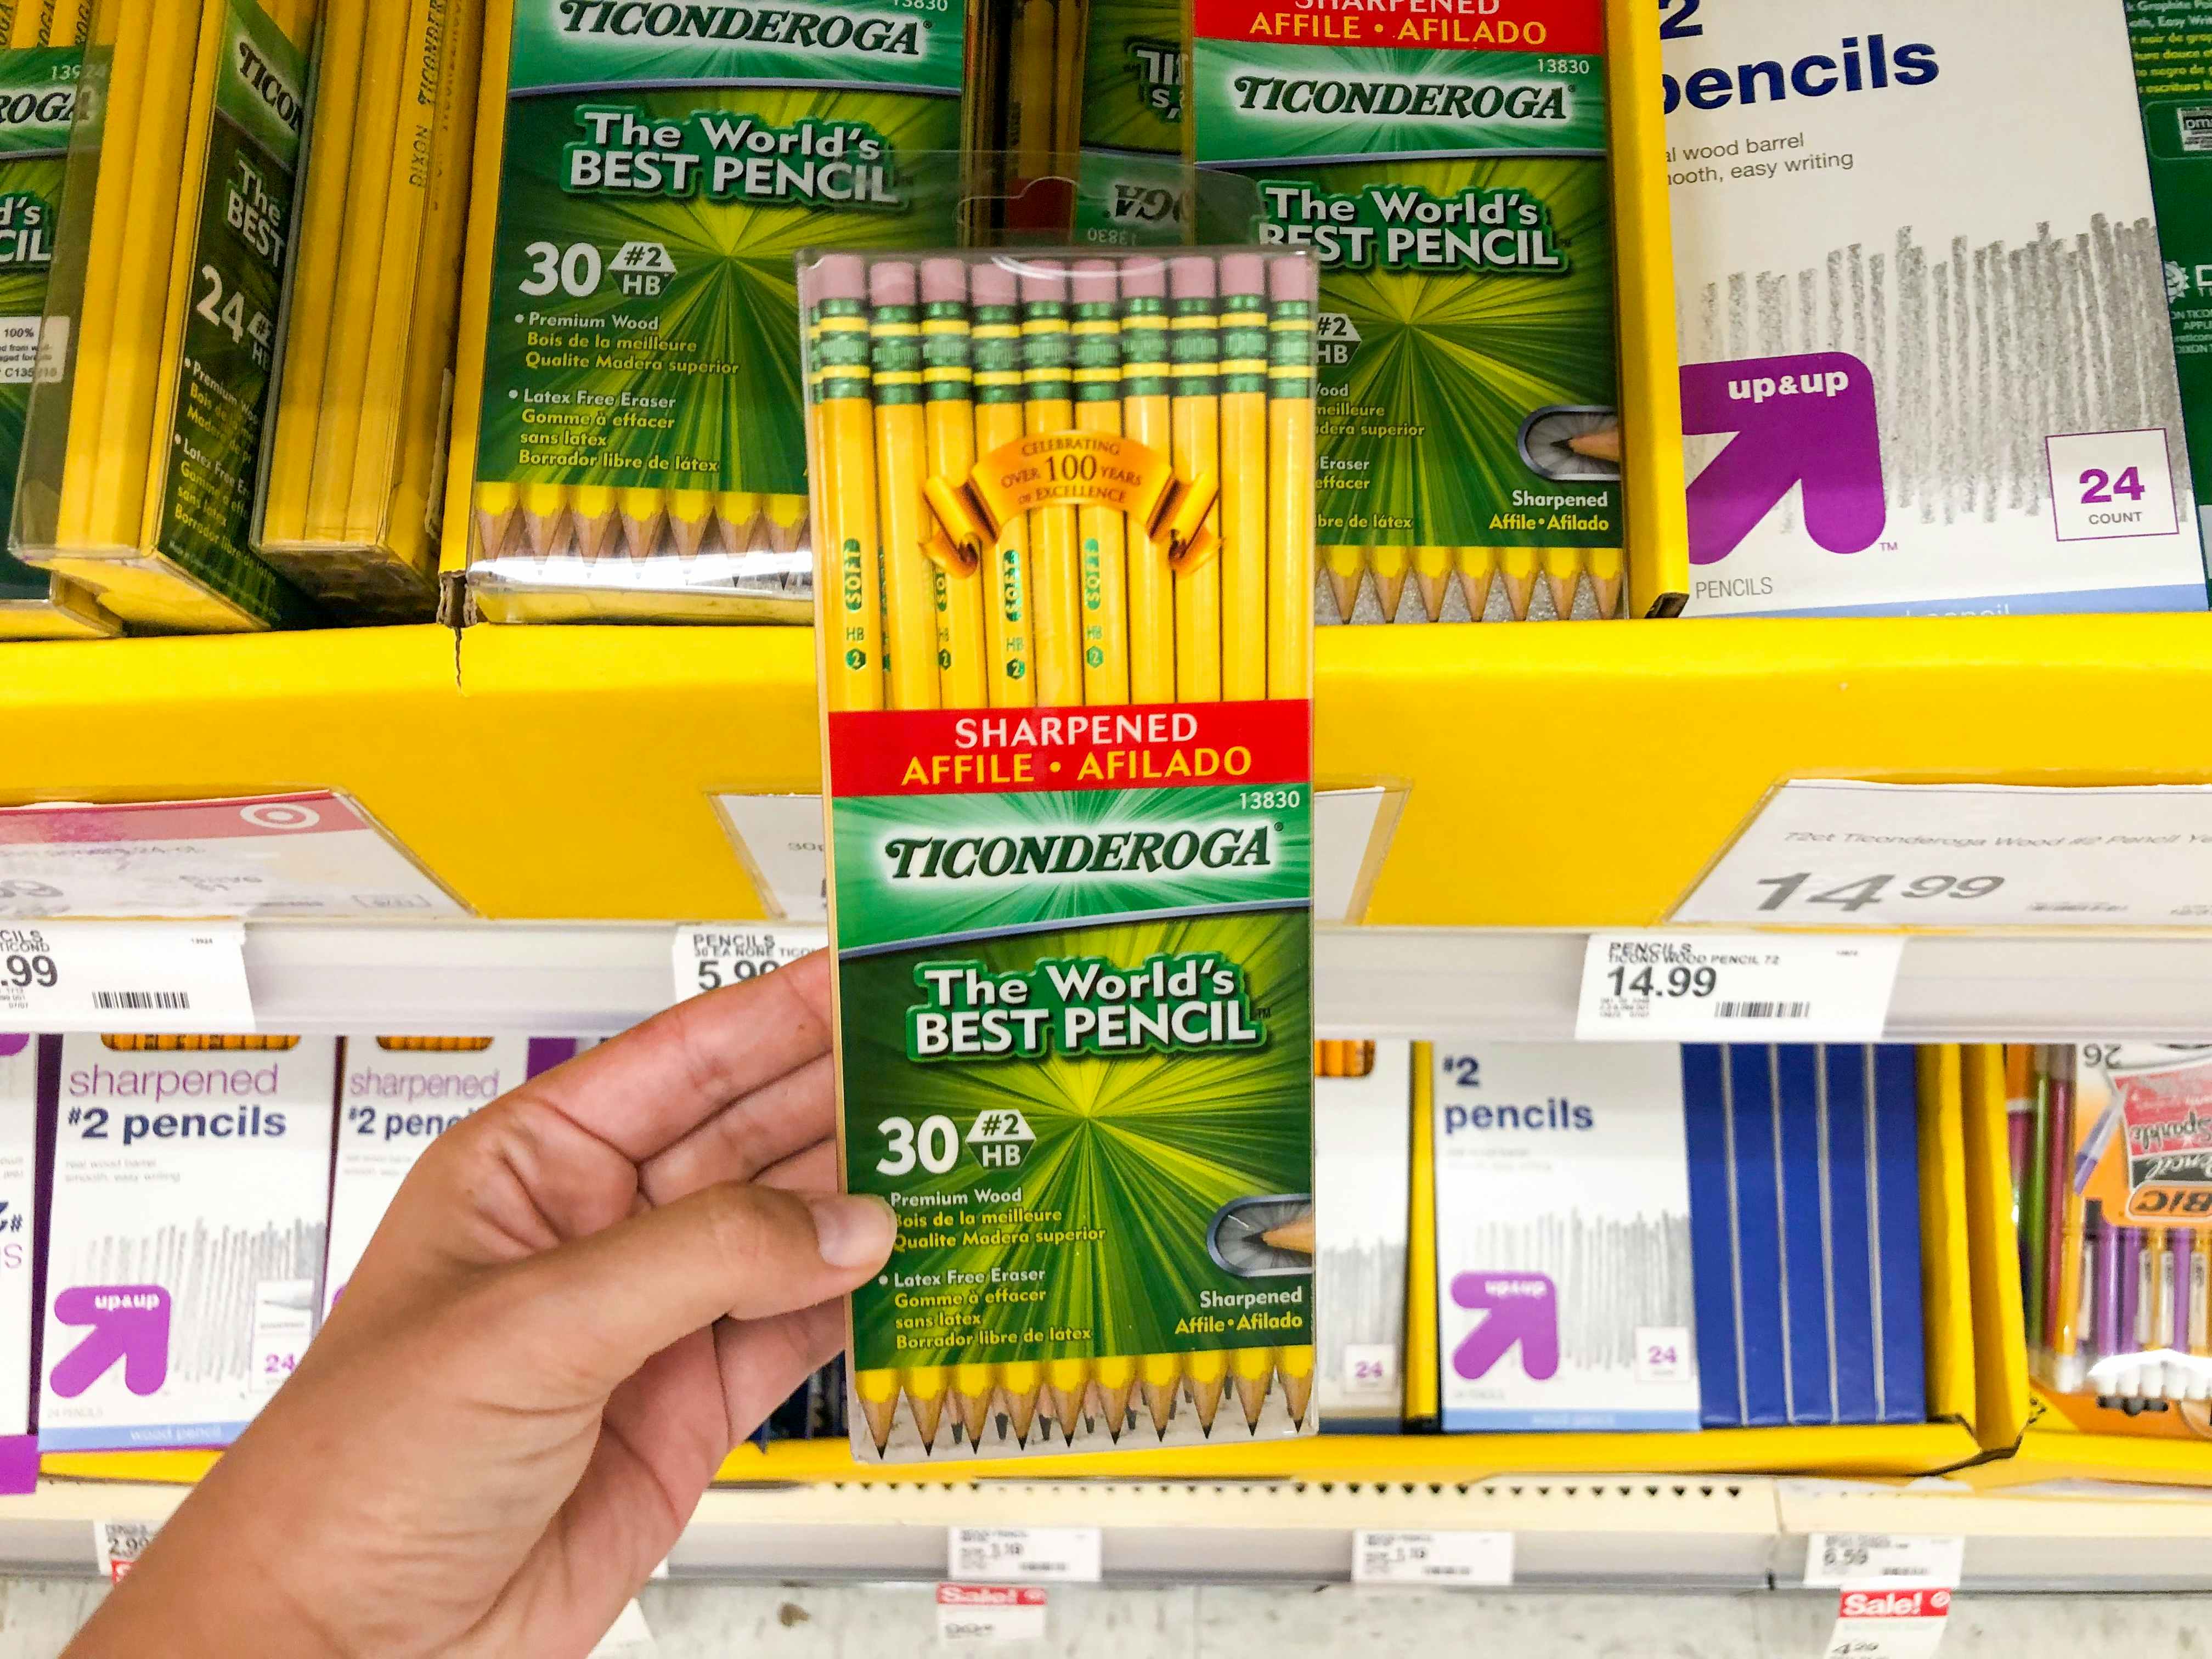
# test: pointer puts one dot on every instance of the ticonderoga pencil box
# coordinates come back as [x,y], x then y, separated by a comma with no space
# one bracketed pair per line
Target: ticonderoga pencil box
[352,485]
[142,442]
[1363,1175]
[1067,665]
[1912,387]
[1563,1289]
[396,1096]
[630,427]
[22,1059]
[1131,180]
[1448,171]
[185,1236]
[39,70]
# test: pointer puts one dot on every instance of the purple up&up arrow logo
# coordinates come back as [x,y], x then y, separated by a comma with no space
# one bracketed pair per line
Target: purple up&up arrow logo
[1807,420]
[1517,1308]
[127,1322]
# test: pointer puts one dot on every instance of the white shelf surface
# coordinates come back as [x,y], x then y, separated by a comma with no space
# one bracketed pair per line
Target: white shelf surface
[589,978]
[1628,1532]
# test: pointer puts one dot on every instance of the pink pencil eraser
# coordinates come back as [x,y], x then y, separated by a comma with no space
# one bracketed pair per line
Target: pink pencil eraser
[890,282]
[1290,281]
[944,282]
[1043,281]
[991,285]
[840,277]
[1191,279]
[1144,279]
[1092,282]
[1244,273]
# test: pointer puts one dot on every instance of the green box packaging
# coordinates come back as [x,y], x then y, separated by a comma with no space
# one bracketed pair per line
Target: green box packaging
[642,450]
[1448,168]
[1130,190]
[2172,43]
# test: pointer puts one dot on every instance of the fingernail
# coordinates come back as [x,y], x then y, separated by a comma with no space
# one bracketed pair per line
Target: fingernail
[853,1230]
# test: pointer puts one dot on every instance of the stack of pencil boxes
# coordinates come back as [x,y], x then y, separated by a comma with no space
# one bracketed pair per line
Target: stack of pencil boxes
[2112,1162]
[1599,1238]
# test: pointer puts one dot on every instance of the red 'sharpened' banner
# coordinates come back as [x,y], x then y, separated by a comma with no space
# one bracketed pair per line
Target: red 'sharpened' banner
[1540,26]
[971,751]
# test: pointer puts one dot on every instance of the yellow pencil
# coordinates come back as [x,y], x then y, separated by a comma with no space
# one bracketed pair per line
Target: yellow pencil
[1254,1369]
[1292,292]
[1607,567]
[1478,571]
[1030,115]
[1102,530]
[598,518]
[1019,1383]
[1067,1384]
[1297,1234]
[845,462]
[1517,568]
[693,524]
[1146,382]
[973,1387]
[547,522]
[1206,1370]
[742,516]
[949,382]
[997,339]
[1432,575]
[498,516]
[27,26]
[1162,1377]
[879,1392]
[1244,477]
[1195,415]
[786,522]
[924,1387]
[1297,1372]
[1056,581]
[128,27]
[1562,575]
[644,517]
[384,203]
[902,510]
[1392,565]
[1115,1379]
[1345,565]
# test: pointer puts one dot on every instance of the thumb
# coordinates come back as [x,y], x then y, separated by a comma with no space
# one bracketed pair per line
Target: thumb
[611,1301]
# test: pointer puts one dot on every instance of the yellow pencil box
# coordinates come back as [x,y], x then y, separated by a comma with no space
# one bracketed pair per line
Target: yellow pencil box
[353,478]
[143,435]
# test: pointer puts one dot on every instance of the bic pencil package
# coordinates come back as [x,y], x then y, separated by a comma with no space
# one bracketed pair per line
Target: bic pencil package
[143,438]
[1564,1277]
[396,1096]
[1448,171]
[2115,1183]
[352,496]
[185,1252]
[1067,673]
[39,70]
[1805,1222]
[630,427]
[1928,366]
[1362,1172]
[21,1060]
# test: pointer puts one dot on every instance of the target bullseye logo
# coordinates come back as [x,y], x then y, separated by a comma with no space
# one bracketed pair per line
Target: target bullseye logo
[280,815]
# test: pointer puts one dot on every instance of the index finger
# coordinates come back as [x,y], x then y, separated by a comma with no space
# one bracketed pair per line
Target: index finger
[652,1085]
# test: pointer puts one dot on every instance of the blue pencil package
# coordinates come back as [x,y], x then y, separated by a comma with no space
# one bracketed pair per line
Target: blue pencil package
[1808,1238]
[1849,1112]
[1712,1238]
[1753,1125]
[1902,1392]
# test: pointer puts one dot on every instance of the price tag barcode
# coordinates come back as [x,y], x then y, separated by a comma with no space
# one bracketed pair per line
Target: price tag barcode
[1476,1560]
[1888,1624]
[1056,1555]
[150,976]
[1854,1560]
[1706,987]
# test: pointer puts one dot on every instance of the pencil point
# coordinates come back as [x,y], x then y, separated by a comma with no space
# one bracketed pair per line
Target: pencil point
[1607,590]
[1520,592]
[1344,590]
[1562,595]
[1389,591]
[1432,590]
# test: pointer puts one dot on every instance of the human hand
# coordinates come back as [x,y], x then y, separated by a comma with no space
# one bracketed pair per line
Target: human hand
[582,1298]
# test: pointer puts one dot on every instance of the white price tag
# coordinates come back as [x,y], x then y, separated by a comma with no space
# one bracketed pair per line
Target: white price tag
[1710,988]
[711,954]
[1059,1555]
[1839,853]
[1892,1624]
[314,855]
[779,837]
[1479,1559]
[135,976]
[1859,1560]
[990,1612]
[117,1545]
